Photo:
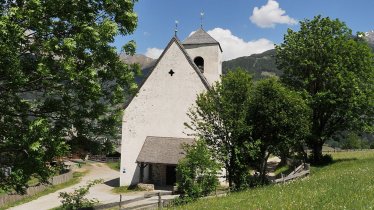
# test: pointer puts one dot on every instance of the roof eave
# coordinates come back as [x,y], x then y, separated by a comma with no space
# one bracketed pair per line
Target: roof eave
[219,45]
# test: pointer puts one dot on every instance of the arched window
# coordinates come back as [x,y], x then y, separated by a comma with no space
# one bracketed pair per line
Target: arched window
[199,61]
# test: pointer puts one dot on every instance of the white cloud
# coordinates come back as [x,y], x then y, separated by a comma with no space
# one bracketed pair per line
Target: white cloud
[153,52]
[234,47]
[269,15]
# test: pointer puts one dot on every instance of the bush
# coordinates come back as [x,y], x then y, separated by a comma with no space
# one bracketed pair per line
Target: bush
[76,200]
[325,160]
[197,172]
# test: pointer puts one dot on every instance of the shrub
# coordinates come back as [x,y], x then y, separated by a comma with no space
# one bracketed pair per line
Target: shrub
[325,160]
[197,172]
[76,200]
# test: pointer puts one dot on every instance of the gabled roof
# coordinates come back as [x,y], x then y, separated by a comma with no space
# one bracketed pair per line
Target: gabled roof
[200,37]
[164,150]
[190,61]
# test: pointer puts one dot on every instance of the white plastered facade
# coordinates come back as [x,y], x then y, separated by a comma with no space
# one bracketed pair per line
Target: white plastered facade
[212,56]
[161,105]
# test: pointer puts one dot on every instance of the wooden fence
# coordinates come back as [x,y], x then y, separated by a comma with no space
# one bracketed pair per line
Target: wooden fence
[103,158]
[301,171]
[160,203]
[4,199]
[345,150]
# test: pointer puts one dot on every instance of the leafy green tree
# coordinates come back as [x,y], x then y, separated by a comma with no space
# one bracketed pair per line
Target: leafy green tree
[220,119]
[352,141]
[279,121]
[60,78]
[197,172]
[335,71]
[108,147]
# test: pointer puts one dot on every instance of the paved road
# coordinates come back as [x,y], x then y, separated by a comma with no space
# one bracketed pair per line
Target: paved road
[102,192]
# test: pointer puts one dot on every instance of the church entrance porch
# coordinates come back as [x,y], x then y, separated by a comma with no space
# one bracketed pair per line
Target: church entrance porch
[159,175]
[171,175]
[158,159]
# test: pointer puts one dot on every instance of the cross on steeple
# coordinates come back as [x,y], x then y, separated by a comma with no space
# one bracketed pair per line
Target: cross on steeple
[176,28]
[201,18]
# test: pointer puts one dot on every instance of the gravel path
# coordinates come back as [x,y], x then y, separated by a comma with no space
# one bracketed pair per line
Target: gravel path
[102,192]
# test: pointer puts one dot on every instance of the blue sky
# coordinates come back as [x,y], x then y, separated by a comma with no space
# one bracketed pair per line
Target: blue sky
[243,27]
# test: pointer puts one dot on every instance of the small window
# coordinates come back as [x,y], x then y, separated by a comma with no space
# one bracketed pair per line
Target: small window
[199,61]
[171,72]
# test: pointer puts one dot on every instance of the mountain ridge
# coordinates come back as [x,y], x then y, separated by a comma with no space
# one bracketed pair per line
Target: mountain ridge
[261,65]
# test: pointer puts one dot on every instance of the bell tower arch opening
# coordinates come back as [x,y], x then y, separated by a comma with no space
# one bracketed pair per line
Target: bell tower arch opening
[199,61]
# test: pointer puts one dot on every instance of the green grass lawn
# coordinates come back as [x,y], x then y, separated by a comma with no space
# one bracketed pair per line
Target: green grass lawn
[125,189]
[348,183]
[114,165]
[2,192]
[284,170]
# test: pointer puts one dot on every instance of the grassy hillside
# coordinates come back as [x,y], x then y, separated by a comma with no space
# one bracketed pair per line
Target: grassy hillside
[263,64]
[260,65]
[369,36]
[346,184]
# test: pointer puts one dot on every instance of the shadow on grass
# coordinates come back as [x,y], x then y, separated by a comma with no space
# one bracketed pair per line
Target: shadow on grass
[323,164]
[344,160]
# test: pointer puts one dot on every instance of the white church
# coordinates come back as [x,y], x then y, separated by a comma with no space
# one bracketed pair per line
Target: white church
[153,122]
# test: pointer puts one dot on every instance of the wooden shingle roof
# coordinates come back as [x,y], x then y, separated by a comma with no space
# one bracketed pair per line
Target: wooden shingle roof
[163,150]
[201,37]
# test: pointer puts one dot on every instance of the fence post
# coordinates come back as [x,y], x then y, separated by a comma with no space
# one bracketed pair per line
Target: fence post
[159,200]
[120,201]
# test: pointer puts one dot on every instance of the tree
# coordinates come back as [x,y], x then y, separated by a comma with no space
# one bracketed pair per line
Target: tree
[352,141]
[335,71]
[279,120]
[220,119]
[197,172]
[59,79]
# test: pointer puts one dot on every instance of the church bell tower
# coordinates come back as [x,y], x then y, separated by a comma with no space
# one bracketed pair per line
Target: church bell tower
[206,53]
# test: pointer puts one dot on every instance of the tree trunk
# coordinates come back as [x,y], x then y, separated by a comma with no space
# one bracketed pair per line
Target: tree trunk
[263,169]
[228,174]
[304,154]
[230,181]
[317,152]
[283,161]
